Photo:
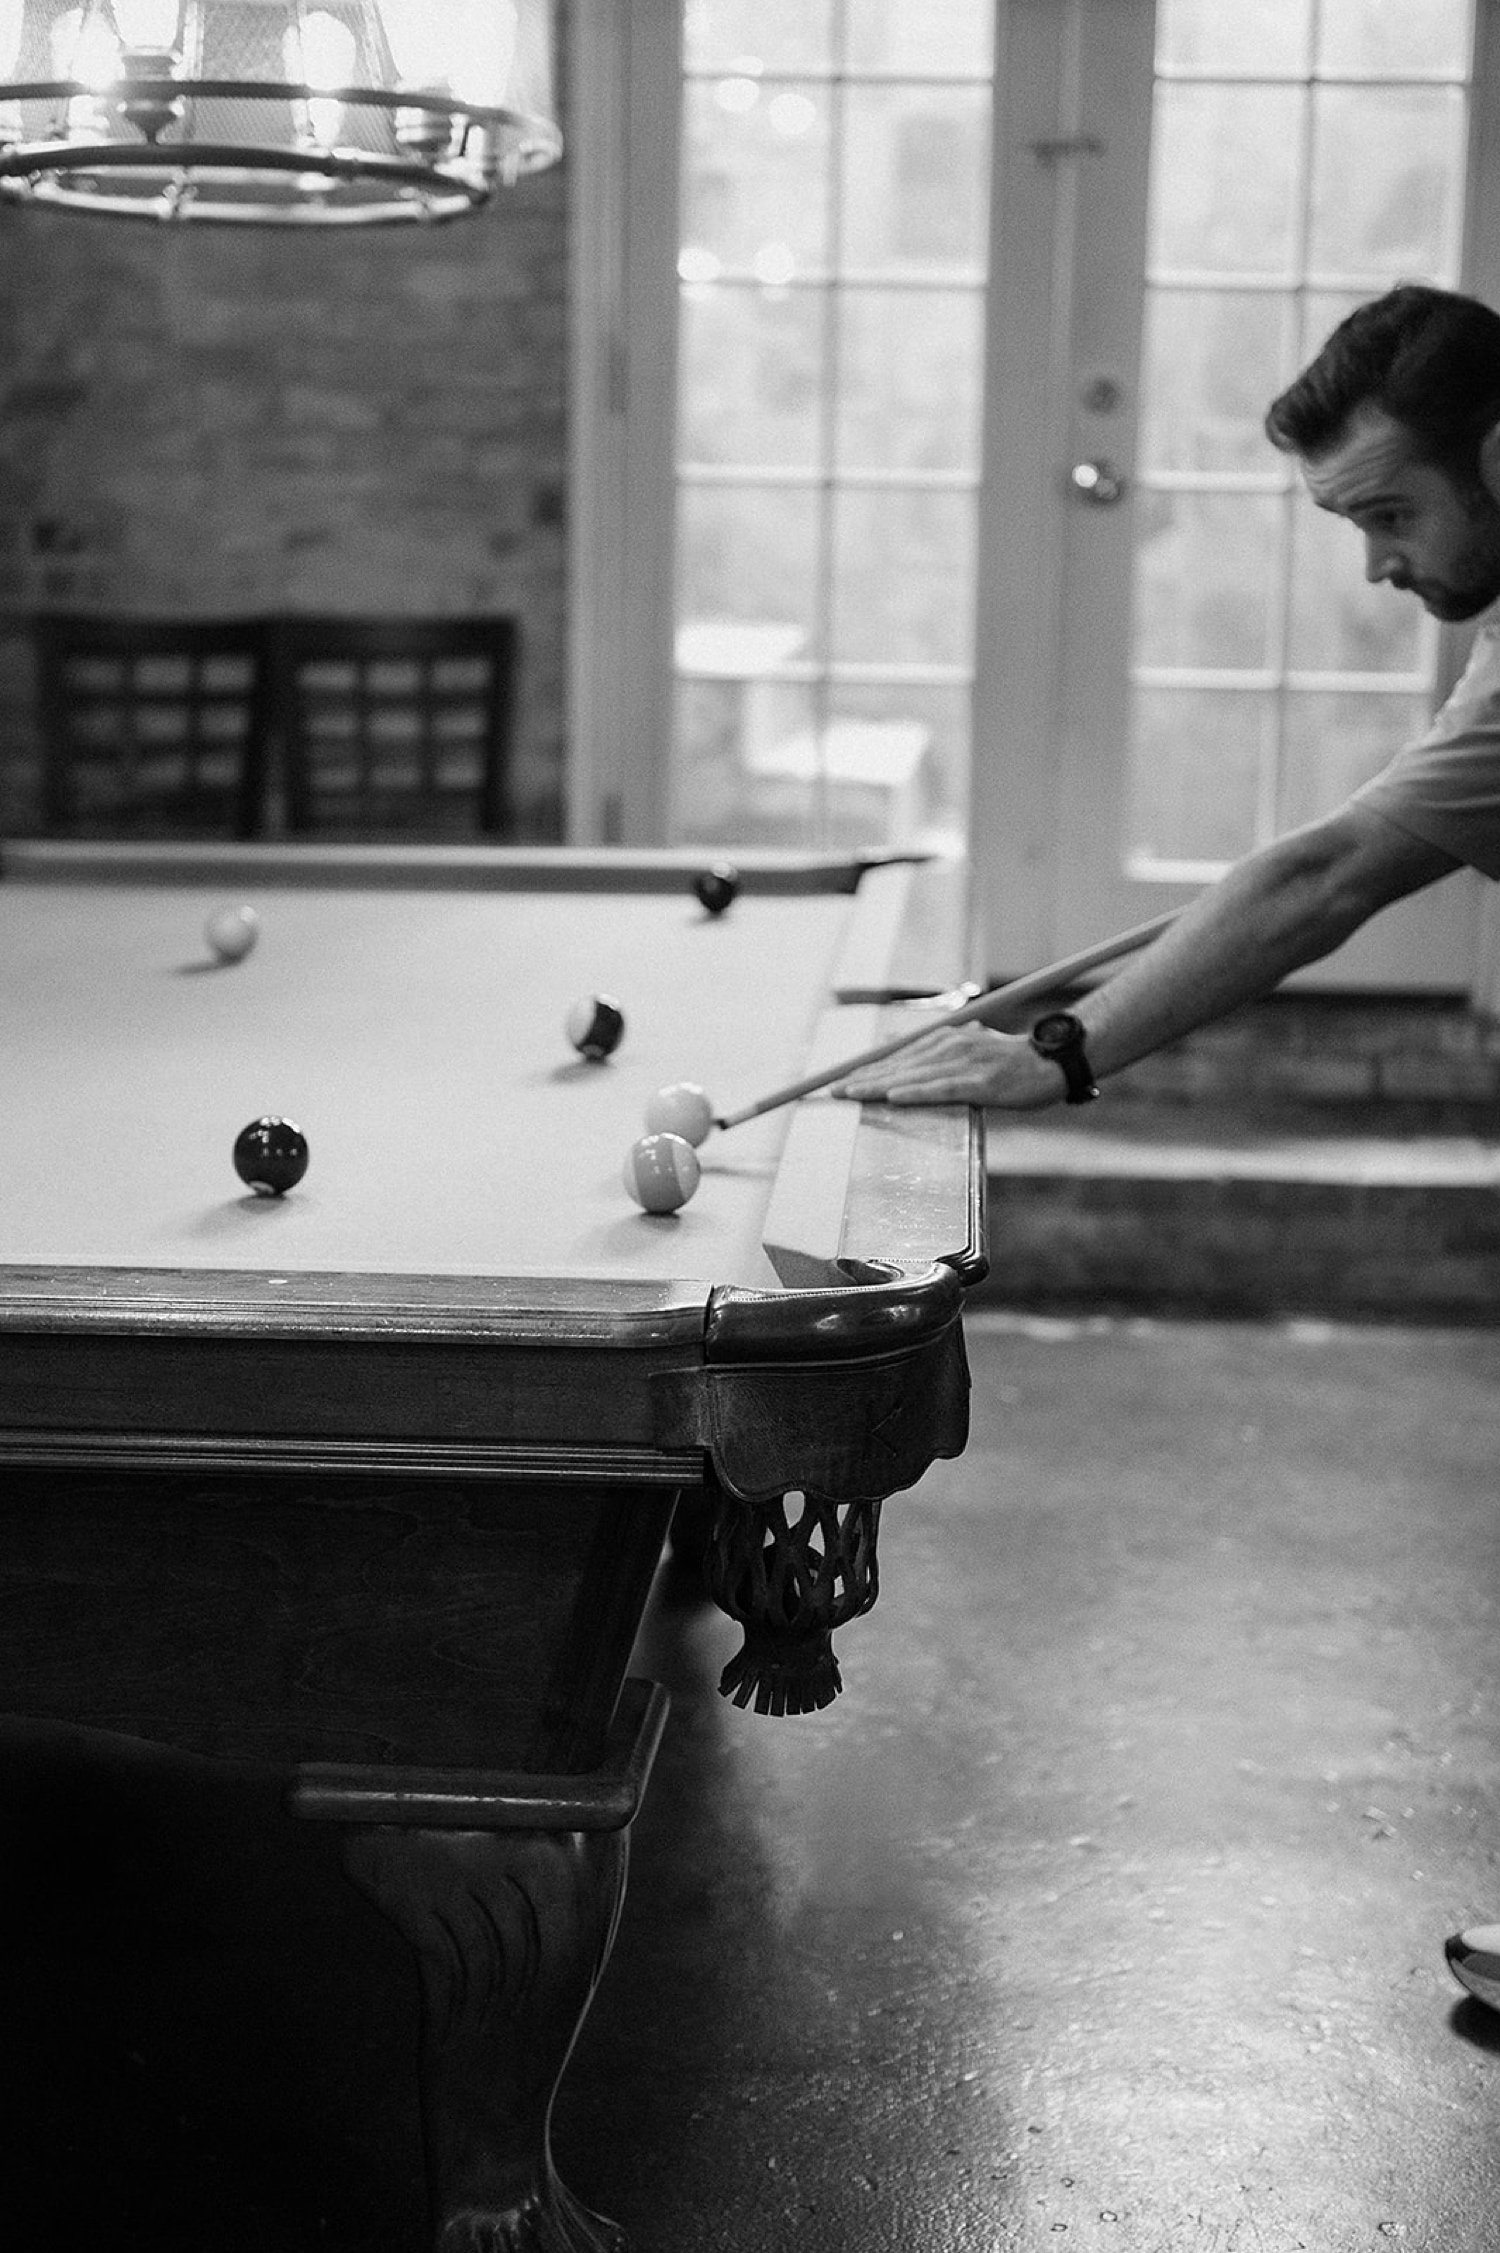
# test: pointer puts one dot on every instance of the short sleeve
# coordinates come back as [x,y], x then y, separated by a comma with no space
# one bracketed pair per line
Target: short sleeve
[1445,787]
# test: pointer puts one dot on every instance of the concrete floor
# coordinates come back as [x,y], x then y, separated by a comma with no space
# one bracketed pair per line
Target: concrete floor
[1106,1907]
[1104,1911]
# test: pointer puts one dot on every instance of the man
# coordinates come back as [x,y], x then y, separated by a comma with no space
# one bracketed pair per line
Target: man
[1396,427]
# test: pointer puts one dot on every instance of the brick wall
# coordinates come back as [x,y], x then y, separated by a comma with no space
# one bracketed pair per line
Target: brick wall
[1420,1059]
[202,422]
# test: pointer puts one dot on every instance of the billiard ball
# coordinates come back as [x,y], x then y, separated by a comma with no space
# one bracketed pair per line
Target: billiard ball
[595,1026]
[1474,1959]
[270,1156]
[661,1172]
[683,1108]
[718,886]
[231,932]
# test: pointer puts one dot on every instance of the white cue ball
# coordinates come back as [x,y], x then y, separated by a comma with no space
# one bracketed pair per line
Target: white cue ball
[661,1172]
[683,1108]
[231,932]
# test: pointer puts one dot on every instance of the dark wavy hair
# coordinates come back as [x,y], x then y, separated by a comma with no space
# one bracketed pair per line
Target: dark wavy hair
[1429,357]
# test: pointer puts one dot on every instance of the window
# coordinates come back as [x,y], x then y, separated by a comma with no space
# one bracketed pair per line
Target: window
[1306,155]
[832,269]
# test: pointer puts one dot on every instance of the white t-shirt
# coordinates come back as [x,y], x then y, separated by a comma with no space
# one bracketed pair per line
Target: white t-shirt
[1445,787]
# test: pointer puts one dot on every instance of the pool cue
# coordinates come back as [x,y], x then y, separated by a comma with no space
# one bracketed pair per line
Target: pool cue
[1009,996]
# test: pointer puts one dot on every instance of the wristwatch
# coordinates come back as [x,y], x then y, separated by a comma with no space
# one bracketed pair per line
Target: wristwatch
[1059,1036]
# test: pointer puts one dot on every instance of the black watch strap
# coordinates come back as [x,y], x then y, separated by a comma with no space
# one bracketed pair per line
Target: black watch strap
[1059,1036]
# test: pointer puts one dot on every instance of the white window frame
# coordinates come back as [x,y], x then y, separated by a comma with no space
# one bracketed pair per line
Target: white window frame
[1039,139]
[1042,137]
[623,158]
[622,154]
[1481,270]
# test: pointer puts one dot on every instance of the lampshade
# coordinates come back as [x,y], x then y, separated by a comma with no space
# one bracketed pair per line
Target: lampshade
[279,112]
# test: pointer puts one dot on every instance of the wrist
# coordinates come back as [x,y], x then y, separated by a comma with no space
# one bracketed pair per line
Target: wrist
[1059,1041]
[1051,1087]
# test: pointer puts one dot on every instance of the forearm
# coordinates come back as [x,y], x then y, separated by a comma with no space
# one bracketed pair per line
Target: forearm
[1292,903]
[1238,940]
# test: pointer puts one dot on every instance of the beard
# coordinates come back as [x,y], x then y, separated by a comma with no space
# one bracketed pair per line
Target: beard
[1475,580]
[1453,604]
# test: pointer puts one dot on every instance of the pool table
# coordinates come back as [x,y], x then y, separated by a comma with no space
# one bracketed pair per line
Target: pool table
[371,1481]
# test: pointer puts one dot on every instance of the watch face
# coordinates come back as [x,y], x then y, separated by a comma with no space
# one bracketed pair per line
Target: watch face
[1060,1030]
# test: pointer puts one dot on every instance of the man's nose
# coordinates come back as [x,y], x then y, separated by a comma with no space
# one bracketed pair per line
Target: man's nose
[1381,561]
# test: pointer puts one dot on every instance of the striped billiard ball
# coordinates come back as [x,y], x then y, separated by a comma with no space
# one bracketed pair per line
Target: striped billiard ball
[595,1026]
[661,1172]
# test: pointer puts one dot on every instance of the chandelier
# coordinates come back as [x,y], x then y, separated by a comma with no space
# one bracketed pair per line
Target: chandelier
[280,112]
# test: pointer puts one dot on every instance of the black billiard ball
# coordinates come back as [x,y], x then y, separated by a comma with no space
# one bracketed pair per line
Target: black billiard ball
[595,1026]
[270,1156]
[718,886]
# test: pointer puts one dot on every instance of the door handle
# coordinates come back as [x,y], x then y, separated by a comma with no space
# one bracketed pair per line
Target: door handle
[1099,482]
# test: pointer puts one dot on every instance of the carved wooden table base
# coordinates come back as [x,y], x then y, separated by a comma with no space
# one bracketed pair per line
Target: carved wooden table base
[509,1889]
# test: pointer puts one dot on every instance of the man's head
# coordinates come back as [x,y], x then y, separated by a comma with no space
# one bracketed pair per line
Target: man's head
[1397,425]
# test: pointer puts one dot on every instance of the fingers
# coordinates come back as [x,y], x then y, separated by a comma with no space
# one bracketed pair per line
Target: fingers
[956,1090]
[941,1068]
[959,1064]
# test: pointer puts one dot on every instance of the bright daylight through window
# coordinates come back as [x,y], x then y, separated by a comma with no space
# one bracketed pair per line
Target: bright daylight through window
[832,267]
[1306,154]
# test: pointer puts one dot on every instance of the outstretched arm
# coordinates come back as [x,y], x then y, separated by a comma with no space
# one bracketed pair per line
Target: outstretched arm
[1289,904]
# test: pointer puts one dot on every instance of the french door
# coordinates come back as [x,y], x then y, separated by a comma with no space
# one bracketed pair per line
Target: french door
[1172,657]
[1201,665]
[1185,659]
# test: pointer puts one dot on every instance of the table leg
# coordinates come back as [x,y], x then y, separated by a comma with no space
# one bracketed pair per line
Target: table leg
[511,1930]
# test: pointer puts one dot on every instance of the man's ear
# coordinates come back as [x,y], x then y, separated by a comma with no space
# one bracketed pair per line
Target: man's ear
[1489,462]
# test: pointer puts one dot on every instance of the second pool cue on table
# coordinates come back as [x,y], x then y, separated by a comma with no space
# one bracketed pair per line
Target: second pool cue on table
[997,1001]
